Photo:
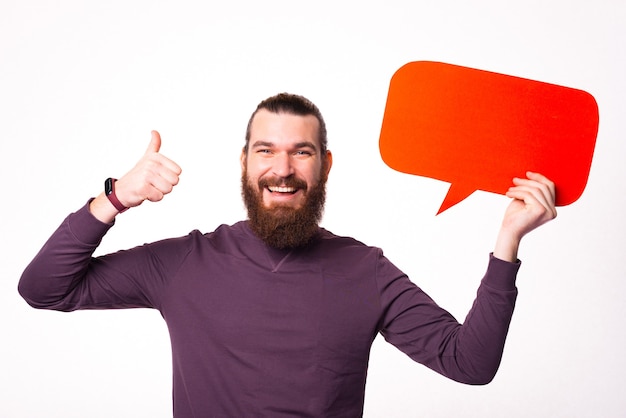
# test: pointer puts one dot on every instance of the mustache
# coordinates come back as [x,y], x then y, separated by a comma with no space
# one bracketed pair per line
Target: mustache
[282,181]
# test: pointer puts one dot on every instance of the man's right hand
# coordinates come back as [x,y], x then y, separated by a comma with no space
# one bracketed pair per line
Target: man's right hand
[151,179]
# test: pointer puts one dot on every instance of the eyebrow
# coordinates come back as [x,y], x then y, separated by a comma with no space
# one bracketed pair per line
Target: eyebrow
[298,145]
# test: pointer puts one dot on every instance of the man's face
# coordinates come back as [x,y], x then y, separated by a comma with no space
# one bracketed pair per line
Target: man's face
[283,177]
[284,158]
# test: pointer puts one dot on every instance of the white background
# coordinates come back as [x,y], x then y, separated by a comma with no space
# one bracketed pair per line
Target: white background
[82,83]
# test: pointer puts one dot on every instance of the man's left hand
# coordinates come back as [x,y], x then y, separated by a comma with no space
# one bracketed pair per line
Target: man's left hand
[532,206]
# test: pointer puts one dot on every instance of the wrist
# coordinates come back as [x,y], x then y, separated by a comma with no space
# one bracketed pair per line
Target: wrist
[507,246]
[109,191]
[102,209]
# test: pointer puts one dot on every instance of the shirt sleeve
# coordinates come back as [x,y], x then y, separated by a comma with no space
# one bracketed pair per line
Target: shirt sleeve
[415,324]
[65,276]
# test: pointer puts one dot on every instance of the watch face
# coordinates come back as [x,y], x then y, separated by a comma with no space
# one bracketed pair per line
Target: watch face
[108,186]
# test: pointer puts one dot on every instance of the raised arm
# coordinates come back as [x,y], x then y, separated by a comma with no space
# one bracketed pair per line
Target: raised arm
[469,352]
[57,277]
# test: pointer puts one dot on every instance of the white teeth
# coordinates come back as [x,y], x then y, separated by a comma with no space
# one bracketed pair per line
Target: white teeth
[278,189]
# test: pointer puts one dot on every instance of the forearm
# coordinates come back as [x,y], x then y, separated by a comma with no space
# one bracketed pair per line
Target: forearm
[507,246]
[63,261]
[480,341]
[468,352]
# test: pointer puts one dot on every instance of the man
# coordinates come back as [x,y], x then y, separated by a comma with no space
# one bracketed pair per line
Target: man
[275,316]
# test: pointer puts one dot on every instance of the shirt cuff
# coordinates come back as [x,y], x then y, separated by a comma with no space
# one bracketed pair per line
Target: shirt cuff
[85,227]
[501,274]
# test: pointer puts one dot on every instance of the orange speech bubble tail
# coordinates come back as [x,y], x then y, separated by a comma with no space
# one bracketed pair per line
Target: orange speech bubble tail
[455,195]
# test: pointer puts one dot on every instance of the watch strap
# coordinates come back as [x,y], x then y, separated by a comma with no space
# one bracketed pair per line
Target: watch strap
[109,191]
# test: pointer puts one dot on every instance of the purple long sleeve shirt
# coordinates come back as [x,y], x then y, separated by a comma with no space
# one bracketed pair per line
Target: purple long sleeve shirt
[257,331]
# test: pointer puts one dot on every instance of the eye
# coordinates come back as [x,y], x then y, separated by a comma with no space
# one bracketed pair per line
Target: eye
[303,153]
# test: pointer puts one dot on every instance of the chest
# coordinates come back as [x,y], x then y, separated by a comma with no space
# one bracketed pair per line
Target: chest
[240,305]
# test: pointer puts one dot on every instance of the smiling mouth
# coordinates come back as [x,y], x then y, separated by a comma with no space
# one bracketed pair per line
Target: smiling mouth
[282,189]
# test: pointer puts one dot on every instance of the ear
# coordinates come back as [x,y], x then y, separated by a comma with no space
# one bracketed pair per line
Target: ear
[328,164]
[243,159]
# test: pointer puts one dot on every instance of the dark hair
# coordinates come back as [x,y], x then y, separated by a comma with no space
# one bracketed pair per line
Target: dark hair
[295,105]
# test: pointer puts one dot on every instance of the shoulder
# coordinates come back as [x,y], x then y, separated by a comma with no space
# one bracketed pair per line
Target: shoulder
[329,240]
[345,252]
[194,238]
[236,240]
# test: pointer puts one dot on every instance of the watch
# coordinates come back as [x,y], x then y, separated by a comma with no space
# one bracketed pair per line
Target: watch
[109,191]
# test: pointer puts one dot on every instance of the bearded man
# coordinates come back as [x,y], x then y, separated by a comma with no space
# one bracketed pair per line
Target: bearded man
[285,196]
[275,316]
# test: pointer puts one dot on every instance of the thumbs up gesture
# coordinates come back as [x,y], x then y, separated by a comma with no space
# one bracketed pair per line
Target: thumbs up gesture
[153,177]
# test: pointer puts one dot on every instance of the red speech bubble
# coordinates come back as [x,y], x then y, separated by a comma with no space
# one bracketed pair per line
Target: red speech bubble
[477,130]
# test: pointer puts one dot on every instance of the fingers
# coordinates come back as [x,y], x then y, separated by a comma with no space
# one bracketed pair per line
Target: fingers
[154,148]
[159,181]
[537,192]
[163,166]
[533,205]
[160,175]
[155,143]
[152,153]
[151,179]
[547,187]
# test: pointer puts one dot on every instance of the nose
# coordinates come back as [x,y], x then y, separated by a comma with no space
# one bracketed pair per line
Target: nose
[282,166]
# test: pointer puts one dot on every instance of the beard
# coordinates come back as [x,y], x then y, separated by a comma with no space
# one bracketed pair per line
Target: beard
[281,226]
